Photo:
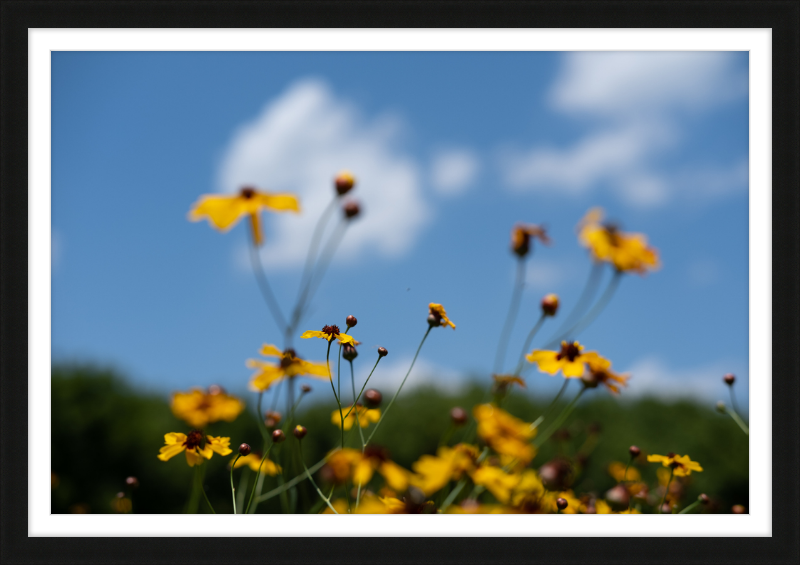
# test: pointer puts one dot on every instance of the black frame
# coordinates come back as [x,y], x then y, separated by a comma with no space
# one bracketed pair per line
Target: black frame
[784,19]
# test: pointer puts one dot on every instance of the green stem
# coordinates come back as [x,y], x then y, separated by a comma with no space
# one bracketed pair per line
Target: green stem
[511,317]
[363,387]
[666,490]
[533,332]
[553,402]
[266,290]
[375,429]
[258,474]
[289,484]
[199,479]
[241,490]
[233,490]
[739,421]
[358,421]
[691,507]
[310,478]
[586,298]
[558,421]
[452,496]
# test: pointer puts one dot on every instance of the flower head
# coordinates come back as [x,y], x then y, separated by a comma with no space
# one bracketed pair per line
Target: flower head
[599,374]
[504,433]
[681,466]
[254,461]
[196,445]
[329,333]
[290,365]
[223,211]
[570,360]
[361,414]
[352,464]
[503,382]
[433,472]
[439,315]
[521,236]
[626,251]
[199,408]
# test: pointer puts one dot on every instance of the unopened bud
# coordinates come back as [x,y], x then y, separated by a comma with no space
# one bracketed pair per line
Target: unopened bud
[618,496]
[244,450]
[729,379]
[300,432]
[132,482]
[703,498]
[351,321]
[372,398]
[561,503]
[634,451]
[459,416]
[351,210]
[382,352]
[434,321]
[738,509]
[349,352]
[666,508]
[305,389]
[278,436]
[550,305]
[344,182]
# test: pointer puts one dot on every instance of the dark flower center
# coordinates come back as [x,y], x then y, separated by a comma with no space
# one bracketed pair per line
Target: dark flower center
[247,193]
[289,358]
[194,439]
[568,351]
[613,233]
[376,452]
[331,330]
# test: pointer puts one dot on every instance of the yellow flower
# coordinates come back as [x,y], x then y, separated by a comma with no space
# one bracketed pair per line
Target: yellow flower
[371,504]
[437,311]
[199,408]
[496,481]
[627,252]
[570,360]
[290,366]
[599,373]
[223,211]
[328,333]
[366,416]
[521,236]
[195,444]
[617,470]
[504,433]
[352,464]
[253,461]
[503,382]
[434,472]
[681,466]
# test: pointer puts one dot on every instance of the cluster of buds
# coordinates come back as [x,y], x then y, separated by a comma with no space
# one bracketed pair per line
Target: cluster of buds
[344,183]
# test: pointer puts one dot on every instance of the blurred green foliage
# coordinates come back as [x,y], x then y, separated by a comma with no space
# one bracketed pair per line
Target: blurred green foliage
[104,431]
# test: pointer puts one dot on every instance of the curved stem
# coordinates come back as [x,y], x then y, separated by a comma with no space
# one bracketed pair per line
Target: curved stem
[375,429]
[666,490]
[513,309]
[258,474]
[558,421]
[533,332]
[585,299]
[198,477]
[740,422]
[308,474]
[363,387]
[233,490]
[691,507]
[266,290]
[298,479]
[547,410]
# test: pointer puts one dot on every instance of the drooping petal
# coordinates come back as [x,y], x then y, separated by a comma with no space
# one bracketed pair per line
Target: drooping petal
[278,202]
[571,368]
[266,376]
[219,445]
[167,452]
[313,369]
[362,473]
[193,458]
[546,360]
[222,211]
[313,333]
[269,350]
[396,477]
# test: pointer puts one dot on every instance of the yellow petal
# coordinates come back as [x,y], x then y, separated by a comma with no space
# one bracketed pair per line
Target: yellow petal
[222,212]
[313,369]
[266,376]
[312,333]
[571,369]
[344,339]
[174,438]
[396,477]
[268,350]
[278,202]
[169,451]
[362,472]
[219,445]
[192,458]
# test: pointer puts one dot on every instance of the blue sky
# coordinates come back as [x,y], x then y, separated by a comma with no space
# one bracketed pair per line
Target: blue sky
[450,150]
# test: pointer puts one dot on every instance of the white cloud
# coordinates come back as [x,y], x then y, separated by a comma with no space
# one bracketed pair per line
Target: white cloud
[650,376]
[643,104]
[298,143]
[453,171]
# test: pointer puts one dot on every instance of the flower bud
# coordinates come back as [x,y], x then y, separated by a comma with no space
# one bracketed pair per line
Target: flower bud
[634,451]
[703,498]
[618,497]
[344,182]
[132,482]
[721,407]
[666,508]
[349,352]
[561,503]
[278,436]
[305,389]
[215,389]
[244,450]
[729,379]
[351,321]
[550,305]
[351,210]
[382,352]
[300,432]
[434,321]
[372,398]
[738,509]
[458,415]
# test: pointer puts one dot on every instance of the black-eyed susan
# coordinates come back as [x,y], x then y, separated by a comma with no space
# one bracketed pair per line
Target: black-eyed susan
[253,460]
[570,360]
[681,466]
[504,433]
[433,472]
[223,211]
[290,365]
[352,464]
[598,374]
[361,414]
[195,444]
[626,251]
[199,408]
[438,317]
[329,333]
[521,236]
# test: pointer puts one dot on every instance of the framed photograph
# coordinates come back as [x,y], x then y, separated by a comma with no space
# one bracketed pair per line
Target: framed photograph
[304,261]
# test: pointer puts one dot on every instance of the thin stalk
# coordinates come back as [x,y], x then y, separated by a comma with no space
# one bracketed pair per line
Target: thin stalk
[266,290]
[199,479]
[511,317]
[558,421]
[734,405]
[453,494]
[666,490]
[553,402]
[740,422]
[258,474]
[325,260]
[233,489]
[533,332]
[358,422]
[363,387]
[377,425]
[241,490]
[691,507]
[311,479]
[296,480]
[585,299]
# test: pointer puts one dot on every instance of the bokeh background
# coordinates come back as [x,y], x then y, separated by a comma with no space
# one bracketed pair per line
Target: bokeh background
[450,150]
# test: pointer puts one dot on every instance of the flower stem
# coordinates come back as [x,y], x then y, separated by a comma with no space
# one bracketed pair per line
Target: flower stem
[266,290]
[363,387]
[553,402]
[391,402]
[691,507]
[296,480]
[585,299]
[258,474]
[453,494]
[358,422]
[739,421]
[199,478]
[533,332]
[513,309]
[310,478]
[558,421]
[233,490]
[666,490]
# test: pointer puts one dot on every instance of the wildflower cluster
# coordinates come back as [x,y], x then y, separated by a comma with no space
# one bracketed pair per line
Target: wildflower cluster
[493,464]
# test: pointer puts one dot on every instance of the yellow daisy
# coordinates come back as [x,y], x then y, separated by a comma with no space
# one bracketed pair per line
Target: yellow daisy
[626,251]
[434,472]
[504,433]
[290,365]
[569,360]
[329,333]
[438,313]
[359,467]
[366,416]
[681,466]
[253,460]
[196,445]
[199,408]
